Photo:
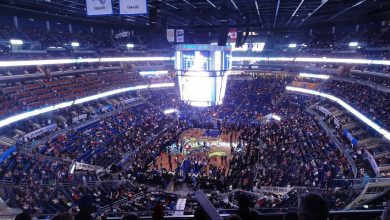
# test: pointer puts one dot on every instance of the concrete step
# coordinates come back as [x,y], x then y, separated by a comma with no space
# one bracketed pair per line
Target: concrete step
[180,205]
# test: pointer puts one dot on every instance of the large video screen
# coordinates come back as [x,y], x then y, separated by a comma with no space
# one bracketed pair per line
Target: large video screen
[202,60]
[201,73]
[196,60]
[200,89]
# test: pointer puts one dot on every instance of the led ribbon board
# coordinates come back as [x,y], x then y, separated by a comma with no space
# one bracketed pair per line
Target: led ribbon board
[313,60]
[349,108]
[178,63]
[318,76]
[81,60]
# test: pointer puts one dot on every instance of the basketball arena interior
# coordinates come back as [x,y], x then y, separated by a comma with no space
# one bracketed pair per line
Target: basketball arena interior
[195,109]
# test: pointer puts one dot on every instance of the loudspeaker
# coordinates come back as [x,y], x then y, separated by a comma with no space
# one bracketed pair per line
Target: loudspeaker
[223,21]
[223,37]
[223,34]
[246,31]
[153,16]
[239,39]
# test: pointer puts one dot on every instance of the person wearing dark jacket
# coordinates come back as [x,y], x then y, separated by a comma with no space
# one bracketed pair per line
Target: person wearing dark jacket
[312,206]
[86,208]
[243,209]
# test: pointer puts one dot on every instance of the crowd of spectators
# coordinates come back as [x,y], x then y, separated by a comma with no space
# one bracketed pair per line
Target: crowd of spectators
[24,96]
[375,80]
[292,152]
[365,99]
[56,38]
[298,147]
[360,132]
[126,143]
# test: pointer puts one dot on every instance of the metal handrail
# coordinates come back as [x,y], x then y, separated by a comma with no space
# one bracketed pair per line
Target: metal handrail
[230,211]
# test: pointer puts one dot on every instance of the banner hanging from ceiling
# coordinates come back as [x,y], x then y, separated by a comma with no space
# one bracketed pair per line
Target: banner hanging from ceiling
[99,7]
[232,33]
[180,36]
[171,35]
[133,7]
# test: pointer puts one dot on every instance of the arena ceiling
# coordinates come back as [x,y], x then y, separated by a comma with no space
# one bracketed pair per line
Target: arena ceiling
[267,14]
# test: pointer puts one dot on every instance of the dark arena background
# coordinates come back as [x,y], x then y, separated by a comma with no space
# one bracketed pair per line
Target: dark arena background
[195,109]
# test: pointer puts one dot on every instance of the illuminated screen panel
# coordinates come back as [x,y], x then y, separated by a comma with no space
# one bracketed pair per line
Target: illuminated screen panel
[197,89]
[196,60]
[202,60]
[201,73]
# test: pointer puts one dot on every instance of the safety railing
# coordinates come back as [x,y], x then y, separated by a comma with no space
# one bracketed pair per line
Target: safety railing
[264,213]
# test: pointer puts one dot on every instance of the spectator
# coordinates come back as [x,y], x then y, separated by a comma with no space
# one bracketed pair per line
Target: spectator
[86,208]
[200,214]
[131,216]
[158,212]
[290,215]
[312,206]
[23,216]
[63,216]
[234,217]
[386,212]
[243,209]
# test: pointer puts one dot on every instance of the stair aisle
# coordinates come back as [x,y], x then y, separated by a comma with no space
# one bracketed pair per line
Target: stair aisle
[180,205]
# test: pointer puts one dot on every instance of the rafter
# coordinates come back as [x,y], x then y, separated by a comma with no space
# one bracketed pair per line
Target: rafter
[296,10]
[276,13]
[235,5]
[192,13]
[258,11]
[212,4]
[315,10]
[346,9]
[189,4]
[170,5]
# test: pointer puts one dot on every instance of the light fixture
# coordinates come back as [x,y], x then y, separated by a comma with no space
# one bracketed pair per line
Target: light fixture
[292,45]
[130,45]
[309,75]
[169,111]
[161,85]
[258,47]
[353,44]
[83,60]
[244,47]
[157,72]
[336,60]
[178,54]
[276,117]
[16,42]
[75,44]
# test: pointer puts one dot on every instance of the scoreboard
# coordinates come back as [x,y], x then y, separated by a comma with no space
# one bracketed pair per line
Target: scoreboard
[202,60]
[201,72]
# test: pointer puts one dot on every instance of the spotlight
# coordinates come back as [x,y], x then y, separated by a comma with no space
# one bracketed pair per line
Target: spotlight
[292,45]
[353,44]
[16,42]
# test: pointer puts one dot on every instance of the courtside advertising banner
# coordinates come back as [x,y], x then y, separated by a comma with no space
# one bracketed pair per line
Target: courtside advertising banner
[133,7]
[99,7]
[180,35]
[171,35]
